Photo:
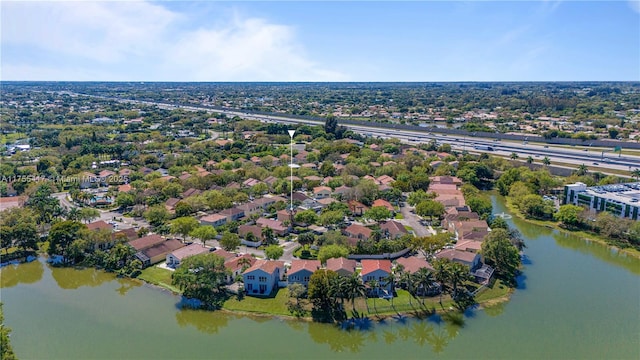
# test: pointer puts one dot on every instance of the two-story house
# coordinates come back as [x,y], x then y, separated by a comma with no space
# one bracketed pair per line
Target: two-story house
[262,277]
[301,271]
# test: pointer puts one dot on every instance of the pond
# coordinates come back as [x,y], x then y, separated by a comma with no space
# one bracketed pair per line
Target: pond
[576,299]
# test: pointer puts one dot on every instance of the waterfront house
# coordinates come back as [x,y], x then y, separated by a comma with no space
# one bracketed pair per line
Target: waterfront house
[301,271]
[472,260]
[342,266]
[262,277]
[378,270]
[176,257]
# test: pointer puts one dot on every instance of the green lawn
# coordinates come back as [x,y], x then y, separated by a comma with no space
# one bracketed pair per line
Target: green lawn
[399,216]
[314,253]
[159,277]
[268,305]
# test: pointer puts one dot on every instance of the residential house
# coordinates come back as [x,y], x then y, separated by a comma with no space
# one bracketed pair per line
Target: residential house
[170,204]
[342,266]
[275,225]
[214,220]
[124,188]
[262,277]
[393,229]
[357,231]
[100,224]
[301,271]
[378,270]
[321,192]
[175,258]
[383,203]
[469,245]
[232,214]
[237,265]
[357,208]
[251,208]
[244,230]
[126,234]
[154,248]
[191,192]
[472,260]
[412,264]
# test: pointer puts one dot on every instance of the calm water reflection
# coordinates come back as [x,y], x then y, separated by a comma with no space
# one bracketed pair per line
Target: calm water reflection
[576,299]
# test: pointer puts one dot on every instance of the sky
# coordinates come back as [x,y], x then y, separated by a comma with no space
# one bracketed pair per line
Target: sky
[320,41]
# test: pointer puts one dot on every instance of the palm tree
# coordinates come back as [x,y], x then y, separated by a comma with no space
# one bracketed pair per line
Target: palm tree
[458,274]
[245,263]
[441,270]
[374,284]
[407,279]
[354,288]
[514,156]
[337,289]
[636,174]
[267,235]
[529,159]
[582,170]
[74,214]
[423,278]
[546,161]
[390,281]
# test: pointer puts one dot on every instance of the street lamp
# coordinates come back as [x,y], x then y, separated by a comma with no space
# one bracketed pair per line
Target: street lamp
[291,165]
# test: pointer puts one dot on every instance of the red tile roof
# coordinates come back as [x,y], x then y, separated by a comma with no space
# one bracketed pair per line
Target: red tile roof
[234,263]
[336,264]
[413,264]
[193,249]
[298,265]
[369,266]
[267,266]
[225,254]
[146,241]
[99,225]
[162,248]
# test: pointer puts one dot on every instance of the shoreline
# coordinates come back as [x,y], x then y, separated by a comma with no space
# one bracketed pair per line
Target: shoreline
[630,251]
[481,305]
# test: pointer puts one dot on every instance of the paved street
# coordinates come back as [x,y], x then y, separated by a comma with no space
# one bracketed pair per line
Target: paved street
[413,220]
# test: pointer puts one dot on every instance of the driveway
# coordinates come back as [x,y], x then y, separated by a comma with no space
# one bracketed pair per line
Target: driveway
[413,220]
[105,215]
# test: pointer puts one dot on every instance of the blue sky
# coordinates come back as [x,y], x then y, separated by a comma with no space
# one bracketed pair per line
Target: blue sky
[320,41]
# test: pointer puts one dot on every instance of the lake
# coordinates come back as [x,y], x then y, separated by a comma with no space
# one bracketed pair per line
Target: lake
[576,299]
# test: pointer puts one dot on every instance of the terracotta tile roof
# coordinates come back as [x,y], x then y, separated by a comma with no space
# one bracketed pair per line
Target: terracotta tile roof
[190,250]
[163,248]
[341,263]
[12,201]
[267,266]
[413,264]
[355,229]
[225,254]
[369,266]
[124,188]
[212,218]
[453,254]
[146,241]
[383,203]
[469,245]
[317,189]
[393,227]
[298,265]
[99,225]
[234,263]
[130,233]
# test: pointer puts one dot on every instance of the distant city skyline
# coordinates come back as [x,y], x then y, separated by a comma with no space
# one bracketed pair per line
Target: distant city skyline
[320,41]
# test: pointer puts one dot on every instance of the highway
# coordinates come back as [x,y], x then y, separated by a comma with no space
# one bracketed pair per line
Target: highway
[593,159]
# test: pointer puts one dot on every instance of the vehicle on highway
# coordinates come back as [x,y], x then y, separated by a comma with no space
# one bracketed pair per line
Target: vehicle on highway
[595,163]
[483,147]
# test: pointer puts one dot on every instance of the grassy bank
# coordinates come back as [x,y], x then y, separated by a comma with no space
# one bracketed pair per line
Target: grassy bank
[275,305]
[159,277]
[582,234]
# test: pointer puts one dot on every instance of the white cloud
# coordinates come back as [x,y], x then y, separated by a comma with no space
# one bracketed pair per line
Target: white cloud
[146,41]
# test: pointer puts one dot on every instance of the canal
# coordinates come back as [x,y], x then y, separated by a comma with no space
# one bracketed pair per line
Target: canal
[576,299]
